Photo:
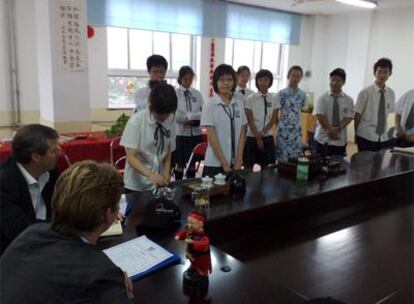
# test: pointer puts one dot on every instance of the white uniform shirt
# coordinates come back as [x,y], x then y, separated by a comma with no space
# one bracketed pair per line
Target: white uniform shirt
[403,108]
[214,115]
[141,98]
[35,187]
[324,106]
[139,135]
[255,103]
[243,97]
[183,111]
[367,105]
[247,91]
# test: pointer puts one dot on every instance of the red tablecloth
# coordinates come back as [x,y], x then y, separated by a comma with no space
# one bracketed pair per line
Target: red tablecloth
[95,146]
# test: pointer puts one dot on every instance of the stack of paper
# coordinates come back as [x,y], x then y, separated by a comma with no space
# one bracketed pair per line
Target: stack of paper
[140,257]
[115,229]
[409,150]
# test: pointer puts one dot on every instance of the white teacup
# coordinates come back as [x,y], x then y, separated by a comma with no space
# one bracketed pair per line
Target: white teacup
[220,178]
[207,181]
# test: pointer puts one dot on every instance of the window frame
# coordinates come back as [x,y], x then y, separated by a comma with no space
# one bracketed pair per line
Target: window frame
[279,71]
[195,42]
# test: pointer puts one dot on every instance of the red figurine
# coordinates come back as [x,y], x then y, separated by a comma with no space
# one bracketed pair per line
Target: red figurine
[198,244]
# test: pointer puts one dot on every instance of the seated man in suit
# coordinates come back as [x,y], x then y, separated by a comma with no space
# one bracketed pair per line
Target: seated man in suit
[27,180]
[58,262]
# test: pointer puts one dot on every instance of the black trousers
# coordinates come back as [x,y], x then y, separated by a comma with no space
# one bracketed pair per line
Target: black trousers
[367,145]
[332,150]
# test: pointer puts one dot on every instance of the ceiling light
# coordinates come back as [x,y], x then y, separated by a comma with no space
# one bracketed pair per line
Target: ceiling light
[360,3]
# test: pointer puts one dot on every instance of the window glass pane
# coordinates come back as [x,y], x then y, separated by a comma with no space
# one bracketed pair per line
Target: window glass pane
[228,51]
[275,86]
[172,81]
[117,48]
[181,51]
[121,90]
[257,56]
[140,48]
[162,45]
[243,53]
[270,58]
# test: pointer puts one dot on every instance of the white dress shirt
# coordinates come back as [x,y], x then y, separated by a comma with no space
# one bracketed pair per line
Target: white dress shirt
[35,187]
[247,91]
[367,105]
[324,106]
[213,115]
[139,135]
[403,107]
[255,103]
[184,112]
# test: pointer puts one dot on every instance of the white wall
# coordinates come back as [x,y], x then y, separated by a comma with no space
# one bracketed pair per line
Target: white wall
[4,62]
[44,59]
[301,54]
[392,36]
[98,69]
[27,64]
[354,42]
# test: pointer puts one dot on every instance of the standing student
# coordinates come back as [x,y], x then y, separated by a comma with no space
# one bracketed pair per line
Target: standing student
[404,120]
[243,77]
[188,115]
[224,118]
[149,139]
[261,112]
[157,66]
[334,111]
[292,100]
[373,105]
[59,262]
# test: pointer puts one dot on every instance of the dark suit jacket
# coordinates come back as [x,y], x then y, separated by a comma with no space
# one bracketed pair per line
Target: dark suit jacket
[43,266]
[17,212]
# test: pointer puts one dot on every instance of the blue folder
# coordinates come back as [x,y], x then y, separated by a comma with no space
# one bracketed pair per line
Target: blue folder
[173,260]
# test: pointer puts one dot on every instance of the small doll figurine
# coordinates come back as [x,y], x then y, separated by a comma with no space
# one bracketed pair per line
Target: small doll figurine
[198,244]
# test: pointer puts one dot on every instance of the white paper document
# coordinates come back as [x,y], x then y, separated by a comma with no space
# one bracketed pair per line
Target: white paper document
[123,205]
[137,256]
[409,150]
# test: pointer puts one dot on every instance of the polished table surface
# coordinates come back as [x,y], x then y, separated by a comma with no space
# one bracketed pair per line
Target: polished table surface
[364,263]
[270,276]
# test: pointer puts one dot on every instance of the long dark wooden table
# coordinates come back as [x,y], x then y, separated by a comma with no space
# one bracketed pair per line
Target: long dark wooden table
[274,215]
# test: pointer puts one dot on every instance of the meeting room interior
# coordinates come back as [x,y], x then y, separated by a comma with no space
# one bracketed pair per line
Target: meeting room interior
[207,151]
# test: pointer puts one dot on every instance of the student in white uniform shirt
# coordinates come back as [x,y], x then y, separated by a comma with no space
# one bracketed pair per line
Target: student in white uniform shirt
[157,66]
[149,139]
[373,105]
[225,120]
[188,115]
[334,111]
[262,113]
[243,77]
[404,120]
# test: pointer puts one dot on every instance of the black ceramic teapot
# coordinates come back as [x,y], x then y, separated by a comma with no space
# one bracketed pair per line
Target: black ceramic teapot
[237,183]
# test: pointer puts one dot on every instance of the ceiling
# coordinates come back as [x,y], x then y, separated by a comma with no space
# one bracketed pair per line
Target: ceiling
[324,7]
